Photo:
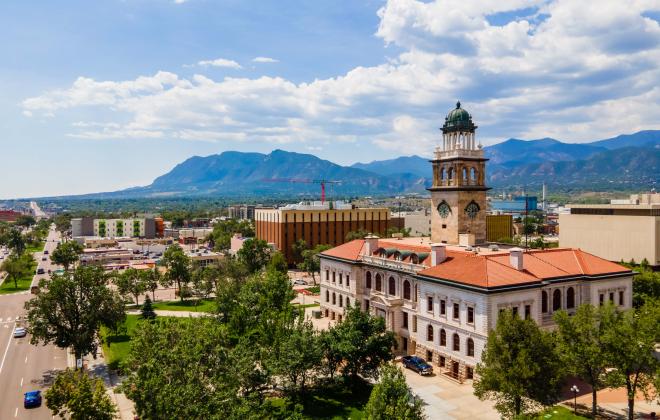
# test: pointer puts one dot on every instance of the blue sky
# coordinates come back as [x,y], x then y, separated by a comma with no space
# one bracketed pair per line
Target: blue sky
[98,96]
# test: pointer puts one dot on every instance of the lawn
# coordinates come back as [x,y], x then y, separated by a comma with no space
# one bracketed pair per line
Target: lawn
[556,413]
[117,346]
[24,281]
[204,305]
[335,402]
[38,247]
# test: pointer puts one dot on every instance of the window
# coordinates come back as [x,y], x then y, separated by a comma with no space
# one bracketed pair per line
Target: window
[429,356]
[333,276]
[457,342]
[470,347]
[366,305]
[429,333]
[327,296]
[442,361]
[443,307]
[556,300]
[601,299]
[341,278]
[406,289]
[327,275]
[515,311]
[470,315]
[368,280]
[405,320]
[528,311]
[415,295]
[469,373]
[544,302]
[456,315]
[341,301]
[612,297]
[391,286]
[348,302]
[570,298]
[443,337]
[621,297]
[379,283]
[348,280]
[334,299]
[429,303]
[414,323]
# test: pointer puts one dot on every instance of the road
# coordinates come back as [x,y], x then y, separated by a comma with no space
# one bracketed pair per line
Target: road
[38,213]
[24,367]
[51,243]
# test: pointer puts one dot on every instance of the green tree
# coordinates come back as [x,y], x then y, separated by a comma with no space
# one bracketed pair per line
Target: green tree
[67,254]
[519,367]
[25,220]
[225,229]
[278,263]
[391,398]
[204,281]
[178,267]
[311,263]
[71,308]
[147,309]
[580,341]
[297,249]
[130,282]
[300,355]
[15,267]
[254,254]
[232,277]
[363,343]
[152,279]
[356,234]
[76,396]
[63,223]
[646,286]
[630,346]
[15,241]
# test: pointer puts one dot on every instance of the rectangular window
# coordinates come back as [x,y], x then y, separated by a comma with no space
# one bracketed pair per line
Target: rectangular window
[429,304]
[612,297]
[341,278]
[470,315]
[327,275]
[515,310]
[442,361]
[601,299]
[456,314]
[348,280]
[414,320]
[366,305]
[621,297]
[443,307]
[528,311]
[429,356]
[333,277]
[405,320]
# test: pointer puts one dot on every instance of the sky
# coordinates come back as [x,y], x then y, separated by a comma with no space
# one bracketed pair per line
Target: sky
[108,94]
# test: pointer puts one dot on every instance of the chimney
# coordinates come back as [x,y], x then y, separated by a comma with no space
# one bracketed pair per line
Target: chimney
[370,244]
[516,258]
[438,253]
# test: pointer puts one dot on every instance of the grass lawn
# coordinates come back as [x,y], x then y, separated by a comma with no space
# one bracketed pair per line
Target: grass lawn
[35,248]
[117,346]
[556,413]
[204,305]
[24,281]
[336,402]
[308,305]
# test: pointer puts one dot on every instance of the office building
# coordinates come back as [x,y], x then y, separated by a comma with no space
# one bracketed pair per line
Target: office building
[242,212]
[116,228]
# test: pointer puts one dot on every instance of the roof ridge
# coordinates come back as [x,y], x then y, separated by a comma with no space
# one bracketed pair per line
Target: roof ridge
[552,265]
[579,260]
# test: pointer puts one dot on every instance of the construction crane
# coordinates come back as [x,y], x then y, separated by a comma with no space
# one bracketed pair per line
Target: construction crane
[306,181]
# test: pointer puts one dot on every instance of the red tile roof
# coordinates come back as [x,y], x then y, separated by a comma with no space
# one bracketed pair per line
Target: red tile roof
[494,269]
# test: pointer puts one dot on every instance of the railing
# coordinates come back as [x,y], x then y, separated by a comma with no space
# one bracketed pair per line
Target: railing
[394,265]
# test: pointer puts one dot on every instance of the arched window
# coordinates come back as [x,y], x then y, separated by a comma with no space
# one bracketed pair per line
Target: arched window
[443,337]
[570,298]
[368,280]
[556,300]
[327,296]
[450,173]
[334,299]
[341,301]
[457,342]
[379,283]
[443,174]
[470,347]
[473,175]
[544,302]
[429,333]
[406,289]
[391,289]
[465,176]
[348,302]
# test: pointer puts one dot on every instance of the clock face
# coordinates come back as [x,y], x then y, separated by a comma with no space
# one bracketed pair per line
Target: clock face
[472,210]
[444,209]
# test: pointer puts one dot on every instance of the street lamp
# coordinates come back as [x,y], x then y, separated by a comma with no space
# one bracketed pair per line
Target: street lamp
[575,390]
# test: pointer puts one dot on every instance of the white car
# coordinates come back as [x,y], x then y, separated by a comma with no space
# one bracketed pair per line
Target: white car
[300,282]
[20,332]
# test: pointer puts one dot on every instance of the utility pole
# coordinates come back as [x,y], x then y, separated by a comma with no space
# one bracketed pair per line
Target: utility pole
[525,220]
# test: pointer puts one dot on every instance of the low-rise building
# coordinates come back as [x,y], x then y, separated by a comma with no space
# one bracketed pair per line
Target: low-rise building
[622,230]
[115,228]
[205,257]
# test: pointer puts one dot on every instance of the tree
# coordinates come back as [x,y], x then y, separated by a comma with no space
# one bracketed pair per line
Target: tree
[25,220]
[15,241]
[580,344]
[254,254]
[151,278]
[278,263]
[15,266]
[225,229]
[71,308]
[62,223]
[232,277]
[311,262]
[204,281]
[363,343]
[147,309]
[356,234]
[130,282]
[519,367]
[630,345]
[299,355]
[297,249]
[178,267]
[76,396]
[66,254]
[391,398]
[646,286]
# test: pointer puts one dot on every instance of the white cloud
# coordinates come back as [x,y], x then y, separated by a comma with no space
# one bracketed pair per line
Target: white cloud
[265,60]
[220,62]
[572,70]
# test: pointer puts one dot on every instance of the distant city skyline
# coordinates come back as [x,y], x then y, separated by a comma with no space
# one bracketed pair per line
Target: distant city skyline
[104,95]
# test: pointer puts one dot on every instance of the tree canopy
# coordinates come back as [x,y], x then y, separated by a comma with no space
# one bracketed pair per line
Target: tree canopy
[76,396]
[392,399]
[178,267]
[66,254]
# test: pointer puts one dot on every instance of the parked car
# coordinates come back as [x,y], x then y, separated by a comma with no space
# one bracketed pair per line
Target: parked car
[32,399]
[20,332]
[417,364]
[40,270]
[300,282]
[45,252]
[44,258]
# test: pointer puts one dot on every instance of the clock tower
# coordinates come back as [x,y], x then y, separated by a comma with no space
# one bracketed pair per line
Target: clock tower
[458,193]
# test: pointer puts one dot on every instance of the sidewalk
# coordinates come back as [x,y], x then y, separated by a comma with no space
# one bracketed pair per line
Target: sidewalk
[98,368]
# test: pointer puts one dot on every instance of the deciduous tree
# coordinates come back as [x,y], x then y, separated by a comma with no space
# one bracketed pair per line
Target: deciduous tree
[76,396]
[391,398]
[67,254]
[178,267]
[130,282]
[254,254]
[311,263]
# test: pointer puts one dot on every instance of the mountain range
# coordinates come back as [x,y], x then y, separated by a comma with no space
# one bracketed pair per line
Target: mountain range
[623,162]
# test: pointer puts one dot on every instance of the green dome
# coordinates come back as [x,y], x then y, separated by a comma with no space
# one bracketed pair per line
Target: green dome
[458,119]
